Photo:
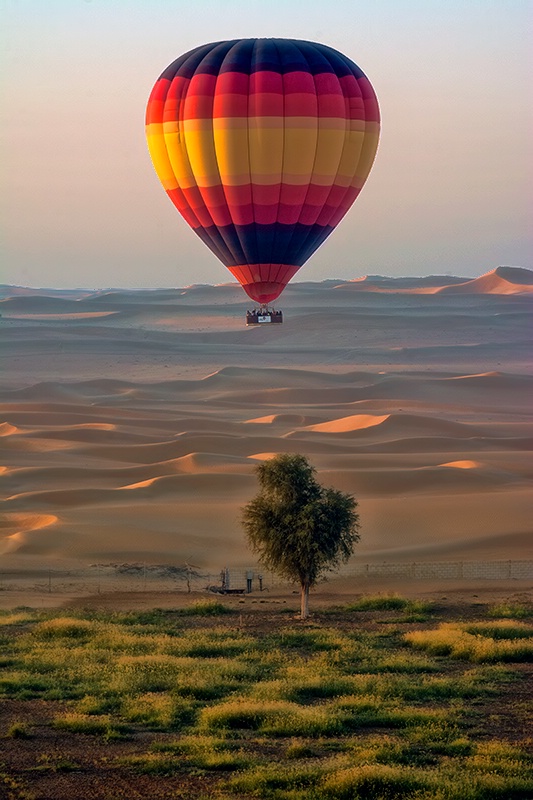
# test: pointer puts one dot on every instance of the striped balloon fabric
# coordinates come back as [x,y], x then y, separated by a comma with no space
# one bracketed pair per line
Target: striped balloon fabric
[263,145]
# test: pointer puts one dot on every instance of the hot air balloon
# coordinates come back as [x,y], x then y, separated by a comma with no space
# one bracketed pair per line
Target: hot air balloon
[263,145]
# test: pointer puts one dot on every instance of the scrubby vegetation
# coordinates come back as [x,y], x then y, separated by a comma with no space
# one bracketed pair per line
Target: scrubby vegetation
[266,707]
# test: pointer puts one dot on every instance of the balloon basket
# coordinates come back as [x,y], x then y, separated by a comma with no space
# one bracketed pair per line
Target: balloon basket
[263,316]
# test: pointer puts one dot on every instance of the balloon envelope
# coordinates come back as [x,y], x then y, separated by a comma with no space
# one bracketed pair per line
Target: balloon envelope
[263,145]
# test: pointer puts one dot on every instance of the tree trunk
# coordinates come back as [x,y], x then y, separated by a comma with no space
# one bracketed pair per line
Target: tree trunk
[304,601]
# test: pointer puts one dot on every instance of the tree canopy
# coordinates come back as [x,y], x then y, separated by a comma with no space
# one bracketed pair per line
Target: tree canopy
[299,529]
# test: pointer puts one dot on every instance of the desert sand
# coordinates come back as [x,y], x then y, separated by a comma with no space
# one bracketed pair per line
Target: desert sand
[132,420]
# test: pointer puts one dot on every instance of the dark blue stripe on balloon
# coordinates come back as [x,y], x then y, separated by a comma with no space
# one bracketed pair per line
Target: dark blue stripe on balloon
[209,56]
[294,244]
[277,55]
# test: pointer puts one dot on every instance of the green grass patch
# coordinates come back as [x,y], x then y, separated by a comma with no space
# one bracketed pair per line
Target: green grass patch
[345,709]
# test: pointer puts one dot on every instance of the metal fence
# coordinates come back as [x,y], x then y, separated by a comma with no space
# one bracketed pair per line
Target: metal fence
[443,570]
[104,578]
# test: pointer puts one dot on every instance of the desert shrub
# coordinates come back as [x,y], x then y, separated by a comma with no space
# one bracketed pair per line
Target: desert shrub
[18,730]
[192,756]
[454,639]
[299,749]
[211,644]
[82,723]
[48,762]
[274,780]
[376,781]
[158,711]
[115,639]
[355,712]
[304,689]
[510,611]
[99,704]
[426,751]
[194,743]
[15,617]
[309,639]
[64,628]
[205,608]
[403,662]
[276,718]
[500,629]
[389,602]
[21,685]
[152,764]
[146,673]
[426,688]
[500,758]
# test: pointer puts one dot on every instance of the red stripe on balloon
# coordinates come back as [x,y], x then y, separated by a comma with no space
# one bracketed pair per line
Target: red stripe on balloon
[222,215]
[265,214]
[232,83]
[266,194]
[296,82]
[238,195]
[176,195]
[370,99]
[229,105]
[195,200]
[214,195]
[265,81]
[248,273]
[176,95]
[242,215]
[156,102]
[202,83]
[351,194]
[288,214]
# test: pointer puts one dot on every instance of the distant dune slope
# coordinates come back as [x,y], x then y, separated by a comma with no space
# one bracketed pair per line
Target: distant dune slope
[131,422]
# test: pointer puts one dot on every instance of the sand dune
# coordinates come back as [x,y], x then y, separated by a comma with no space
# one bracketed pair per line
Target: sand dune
[131,422]
[283,419]
[356,422]
[502,280]
[464,464]
[6,429]
[396,426]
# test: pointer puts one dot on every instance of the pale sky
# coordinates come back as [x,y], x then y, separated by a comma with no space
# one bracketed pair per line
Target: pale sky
[450,191]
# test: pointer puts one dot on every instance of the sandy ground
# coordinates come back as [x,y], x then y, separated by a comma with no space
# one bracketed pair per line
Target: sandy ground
[443,593]
[131,421]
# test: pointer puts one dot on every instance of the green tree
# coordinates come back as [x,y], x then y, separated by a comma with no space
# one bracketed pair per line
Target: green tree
[298,528]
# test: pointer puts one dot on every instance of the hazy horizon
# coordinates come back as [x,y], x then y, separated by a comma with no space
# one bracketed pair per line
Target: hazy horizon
[338,279]
[448,193]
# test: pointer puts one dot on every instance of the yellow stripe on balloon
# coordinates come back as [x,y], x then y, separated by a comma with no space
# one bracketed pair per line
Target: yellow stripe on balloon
[368,153]
[299,150]
[202,156]
[329,149]
[159,155]
[179,160]
[266,154]
[351,154]
[232,155]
